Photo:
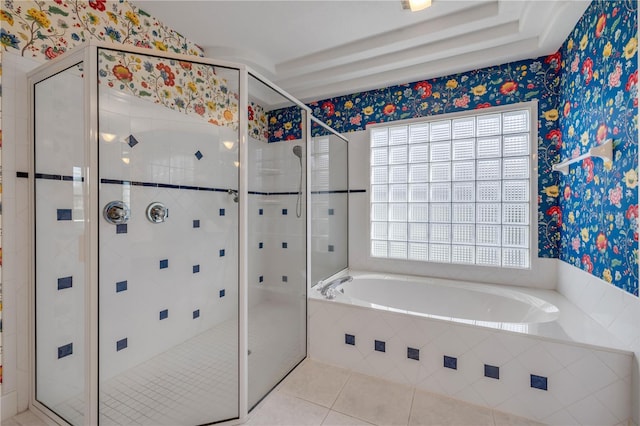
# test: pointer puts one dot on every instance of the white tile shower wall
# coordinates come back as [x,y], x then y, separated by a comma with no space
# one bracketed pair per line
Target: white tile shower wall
[542,275]
[195,275]
[16,245]
[329,249]
[174,271]
[329,210]
[586,385]
[614,309]
[273,221]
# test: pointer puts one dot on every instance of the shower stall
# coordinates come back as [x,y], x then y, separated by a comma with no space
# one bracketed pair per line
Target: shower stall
[171,250]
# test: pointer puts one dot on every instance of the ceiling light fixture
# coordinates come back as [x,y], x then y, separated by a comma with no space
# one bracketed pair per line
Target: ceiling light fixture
[415,5]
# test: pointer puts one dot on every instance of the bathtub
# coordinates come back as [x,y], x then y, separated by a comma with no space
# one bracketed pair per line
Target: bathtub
[556,365]
[457,301]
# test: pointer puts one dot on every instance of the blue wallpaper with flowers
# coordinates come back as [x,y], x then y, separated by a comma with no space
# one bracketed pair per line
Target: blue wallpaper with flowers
[599,101]
[499,85]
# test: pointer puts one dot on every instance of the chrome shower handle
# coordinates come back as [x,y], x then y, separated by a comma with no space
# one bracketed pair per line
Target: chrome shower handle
[116,212]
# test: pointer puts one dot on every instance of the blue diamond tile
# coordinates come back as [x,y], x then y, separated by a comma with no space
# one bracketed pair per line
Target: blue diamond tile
[222,293]
[451,362]
[164,314]
[121,228]
[413,353]
[331,248]
[539,382]
[260,212]
[65,282]
[285,279]
[331,212]
[379,346]
[121,286]
[221,252]
[64,214]
[260,279]
[492,372]
[285,245]
[284,212]
[349,339]
[132,141]
[164,263]
[198,155]
[196,223]
[260,245]
[195,269]
[122,344]
[196,313]
[65,350]
[221,212]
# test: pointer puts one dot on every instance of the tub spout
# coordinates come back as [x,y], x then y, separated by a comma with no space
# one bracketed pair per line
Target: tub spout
[328,289]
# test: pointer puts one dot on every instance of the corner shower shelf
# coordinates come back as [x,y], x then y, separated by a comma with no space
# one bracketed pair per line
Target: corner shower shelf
[604,151]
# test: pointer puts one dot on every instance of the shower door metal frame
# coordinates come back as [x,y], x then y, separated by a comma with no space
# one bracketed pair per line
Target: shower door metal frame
[87,55]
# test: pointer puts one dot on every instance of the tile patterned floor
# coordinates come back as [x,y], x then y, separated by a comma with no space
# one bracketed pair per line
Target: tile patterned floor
[319,394]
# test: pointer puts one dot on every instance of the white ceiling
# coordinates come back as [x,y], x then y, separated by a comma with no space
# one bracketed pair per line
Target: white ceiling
[315,49]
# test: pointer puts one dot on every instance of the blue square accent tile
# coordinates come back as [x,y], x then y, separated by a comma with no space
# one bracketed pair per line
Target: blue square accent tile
[285,245]
[122,344]
[164,314]
[285,279]
[284,212]
[380,346]
[121,228]
[65,350]
[222,292]
[221,212]
[132,141]
[539,382]
[451,362]
[260,279]
[260,245]
[65,282]
[331,248]
[121,286]
[196,223]
[221,252]
[196,313]
[492,371]
[349,339]
[198,155]
[413,353]
[64,214]
[260,212]
[196,269]
[331,212]
[164,263]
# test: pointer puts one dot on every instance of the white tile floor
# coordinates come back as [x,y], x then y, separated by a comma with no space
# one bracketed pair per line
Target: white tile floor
[320,394]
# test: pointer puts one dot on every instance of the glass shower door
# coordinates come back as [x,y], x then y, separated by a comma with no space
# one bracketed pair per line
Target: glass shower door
[60,228]
[168,241]
[277,243]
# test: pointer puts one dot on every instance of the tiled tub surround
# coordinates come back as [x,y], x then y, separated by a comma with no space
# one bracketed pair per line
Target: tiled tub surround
[569,370]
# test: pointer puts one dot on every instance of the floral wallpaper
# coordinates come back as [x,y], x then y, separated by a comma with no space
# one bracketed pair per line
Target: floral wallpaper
[599,101]
[499,85]
[46,29]
[187,87]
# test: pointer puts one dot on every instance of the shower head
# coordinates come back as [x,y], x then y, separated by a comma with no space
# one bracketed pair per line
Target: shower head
[297,151]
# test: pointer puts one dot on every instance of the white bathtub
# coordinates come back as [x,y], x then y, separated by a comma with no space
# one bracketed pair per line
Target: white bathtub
[447,300]
[407,329]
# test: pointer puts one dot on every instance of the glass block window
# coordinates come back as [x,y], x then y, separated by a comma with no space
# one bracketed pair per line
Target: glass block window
[454,190]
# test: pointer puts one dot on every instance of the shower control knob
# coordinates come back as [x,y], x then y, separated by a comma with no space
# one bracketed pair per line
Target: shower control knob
[157,212]
[116,212]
